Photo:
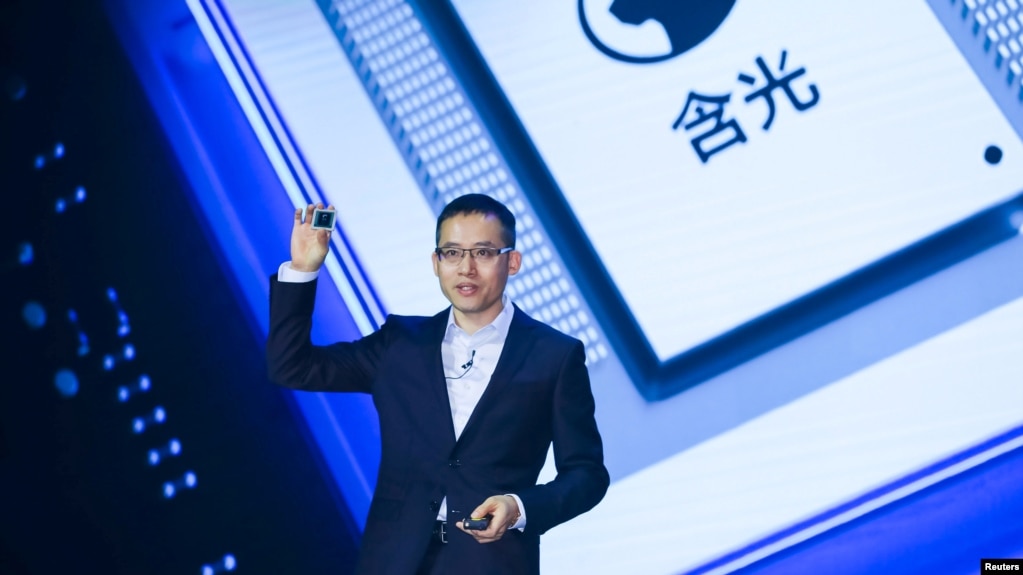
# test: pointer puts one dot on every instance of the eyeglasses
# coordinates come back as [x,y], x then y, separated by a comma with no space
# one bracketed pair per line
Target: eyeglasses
[454,256]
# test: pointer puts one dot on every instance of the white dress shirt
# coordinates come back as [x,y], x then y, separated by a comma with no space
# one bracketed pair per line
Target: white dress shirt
[469,362]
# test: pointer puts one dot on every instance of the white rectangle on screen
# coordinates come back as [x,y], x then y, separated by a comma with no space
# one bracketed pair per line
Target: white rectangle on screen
[877,139]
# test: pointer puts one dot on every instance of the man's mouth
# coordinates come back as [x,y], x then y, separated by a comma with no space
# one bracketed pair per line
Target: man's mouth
[466,289]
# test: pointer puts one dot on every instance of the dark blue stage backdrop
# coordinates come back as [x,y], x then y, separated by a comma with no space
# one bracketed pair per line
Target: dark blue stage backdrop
[786,231]
[138,431]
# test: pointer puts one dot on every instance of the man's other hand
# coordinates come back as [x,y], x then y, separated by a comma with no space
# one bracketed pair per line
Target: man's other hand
[504,512]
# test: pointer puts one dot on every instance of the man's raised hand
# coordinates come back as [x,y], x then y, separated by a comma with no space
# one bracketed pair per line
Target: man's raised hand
[308,246]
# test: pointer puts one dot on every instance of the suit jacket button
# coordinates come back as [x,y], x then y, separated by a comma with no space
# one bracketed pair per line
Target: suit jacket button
[434,506]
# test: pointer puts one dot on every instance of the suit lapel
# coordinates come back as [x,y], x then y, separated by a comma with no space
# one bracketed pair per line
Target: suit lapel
[517,347]
[430,340]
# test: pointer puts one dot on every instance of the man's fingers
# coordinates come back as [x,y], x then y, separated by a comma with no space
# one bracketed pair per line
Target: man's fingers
[501,510]
[490,535]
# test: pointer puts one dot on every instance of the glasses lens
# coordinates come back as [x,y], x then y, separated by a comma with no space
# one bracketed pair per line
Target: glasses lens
[484,255]
[449,255]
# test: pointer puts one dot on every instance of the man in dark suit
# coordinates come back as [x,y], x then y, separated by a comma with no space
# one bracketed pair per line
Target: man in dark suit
[469,400]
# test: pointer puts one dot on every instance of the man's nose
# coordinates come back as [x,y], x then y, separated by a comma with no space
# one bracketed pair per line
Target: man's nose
[467,265]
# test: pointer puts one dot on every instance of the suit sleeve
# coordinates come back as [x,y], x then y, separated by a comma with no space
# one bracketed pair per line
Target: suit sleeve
[292,359]
[582,480]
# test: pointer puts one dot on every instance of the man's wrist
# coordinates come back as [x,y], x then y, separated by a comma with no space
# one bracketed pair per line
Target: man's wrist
[288,274]
[518,521]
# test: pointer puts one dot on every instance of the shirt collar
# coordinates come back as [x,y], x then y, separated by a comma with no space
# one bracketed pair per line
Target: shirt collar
[499,327]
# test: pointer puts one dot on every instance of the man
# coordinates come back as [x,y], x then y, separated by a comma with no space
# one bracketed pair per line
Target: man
[469,402]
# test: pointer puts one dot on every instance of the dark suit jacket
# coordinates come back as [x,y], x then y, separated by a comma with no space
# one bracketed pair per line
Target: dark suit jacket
[539,393]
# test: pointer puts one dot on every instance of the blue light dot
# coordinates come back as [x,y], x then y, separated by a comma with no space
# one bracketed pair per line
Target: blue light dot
[40,162]
[66,382]
[72,316]
[144,382]
[169,490]
[175,447]
[154,457]
[108,362]
[229,562]
[58,150]
[34,314]
[138,425]
[159,415]
[129,351]
[83,347]
[25,253]
[80,194]
[60,205]
[190,479]
[207,570]
[111,294]
[123,329]
[123,394]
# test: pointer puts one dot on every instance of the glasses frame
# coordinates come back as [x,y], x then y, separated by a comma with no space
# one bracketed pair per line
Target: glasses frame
[453,262]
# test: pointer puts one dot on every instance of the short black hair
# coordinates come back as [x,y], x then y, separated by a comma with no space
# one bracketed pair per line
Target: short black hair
[480,204]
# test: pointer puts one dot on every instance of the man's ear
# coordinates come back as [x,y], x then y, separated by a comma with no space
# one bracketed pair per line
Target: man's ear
[436,264]
[514,262]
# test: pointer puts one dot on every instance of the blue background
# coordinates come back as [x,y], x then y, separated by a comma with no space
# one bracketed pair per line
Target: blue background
[194,280]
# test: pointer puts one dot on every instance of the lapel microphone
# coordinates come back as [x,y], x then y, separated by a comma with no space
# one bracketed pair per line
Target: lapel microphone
[465,367]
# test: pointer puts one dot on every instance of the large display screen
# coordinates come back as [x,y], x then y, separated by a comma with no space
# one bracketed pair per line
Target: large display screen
[874,136]
[727,158]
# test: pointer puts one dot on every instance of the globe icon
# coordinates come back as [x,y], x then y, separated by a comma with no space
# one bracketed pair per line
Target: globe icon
[649,31]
